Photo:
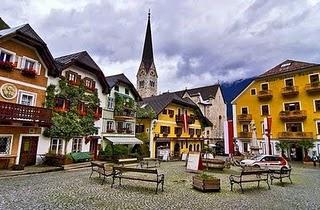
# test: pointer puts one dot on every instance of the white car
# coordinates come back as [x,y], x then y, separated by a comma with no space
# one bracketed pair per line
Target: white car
[266,162]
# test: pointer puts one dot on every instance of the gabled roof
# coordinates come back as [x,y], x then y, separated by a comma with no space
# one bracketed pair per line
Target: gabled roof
[83,60]
[27,35]
[121,78]
[287,67]
[160,102]
[206,92]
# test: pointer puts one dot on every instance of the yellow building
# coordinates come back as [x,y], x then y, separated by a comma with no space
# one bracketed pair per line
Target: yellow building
[289,93]
[177,127]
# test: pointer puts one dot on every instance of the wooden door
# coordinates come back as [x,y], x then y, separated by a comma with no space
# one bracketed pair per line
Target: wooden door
[94,148]
[29,147]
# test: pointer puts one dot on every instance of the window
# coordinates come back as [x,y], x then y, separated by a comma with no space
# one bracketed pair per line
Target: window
[317,105]
[27,99]
[76,144]
[56,146]
[152,83]
[129,127]
[165,129]
[289,82]
[265,110]
[292,106]
[141,84]
[198,132]
[245,147]
[126,90]
[5,143]
[4,56]
[116,88]
[265,86]
[294,127]
[164,111]
[314,78]
[177,130]
[253,92]
[29,64]
[110,104]
[139,128]
[110,125]
[244,110]
[171,112]
[245,128]
[191,131]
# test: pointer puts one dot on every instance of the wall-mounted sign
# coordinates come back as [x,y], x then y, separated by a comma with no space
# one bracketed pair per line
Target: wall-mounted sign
[8,91]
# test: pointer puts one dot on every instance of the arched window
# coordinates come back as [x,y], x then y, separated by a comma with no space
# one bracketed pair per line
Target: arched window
[190,148]
[198,147]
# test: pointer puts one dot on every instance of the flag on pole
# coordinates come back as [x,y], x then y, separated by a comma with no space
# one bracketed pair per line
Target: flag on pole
[185,123]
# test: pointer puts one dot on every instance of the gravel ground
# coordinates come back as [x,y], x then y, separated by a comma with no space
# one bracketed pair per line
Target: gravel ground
[74,190]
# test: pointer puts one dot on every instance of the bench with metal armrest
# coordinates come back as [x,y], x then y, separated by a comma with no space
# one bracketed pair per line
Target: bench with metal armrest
[102,169]
[280,174]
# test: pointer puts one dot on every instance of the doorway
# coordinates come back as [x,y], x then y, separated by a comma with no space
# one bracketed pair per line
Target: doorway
[29,147]
[94,147]
[177,150]
[296,152]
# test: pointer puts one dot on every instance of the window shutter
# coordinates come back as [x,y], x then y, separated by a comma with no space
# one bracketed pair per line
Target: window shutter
[18,61]
[38,68]
[23,62]
[67,75]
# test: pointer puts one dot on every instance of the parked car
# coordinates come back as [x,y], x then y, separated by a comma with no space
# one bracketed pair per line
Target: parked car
[266,162]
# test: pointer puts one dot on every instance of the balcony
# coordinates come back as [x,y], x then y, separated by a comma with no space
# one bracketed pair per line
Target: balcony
[244,117]
[180,119]
[124,131]
[265,95]
[296,115]
[290,91]
[313,88]
[246,135]
[125,114]
[10,112]
[295,135]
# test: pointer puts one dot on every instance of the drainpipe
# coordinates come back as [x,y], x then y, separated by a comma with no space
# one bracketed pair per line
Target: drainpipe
[151,141]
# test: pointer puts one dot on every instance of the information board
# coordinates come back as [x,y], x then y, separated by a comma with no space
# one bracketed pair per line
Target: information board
[193,161]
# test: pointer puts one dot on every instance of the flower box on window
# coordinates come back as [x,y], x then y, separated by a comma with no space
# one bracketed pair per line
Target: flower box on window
[6,65]
[29,72]
[110,130]
[98,113]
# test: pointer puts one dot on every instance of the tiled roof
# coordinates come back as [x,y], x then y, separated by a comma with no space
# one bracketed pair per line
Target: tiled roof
[287,67]
[205,92]
[84,60]
[121,78]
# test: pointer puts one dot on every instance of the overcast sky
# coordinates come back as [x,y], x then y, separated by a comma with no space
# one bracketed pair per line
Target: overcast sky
[196,43]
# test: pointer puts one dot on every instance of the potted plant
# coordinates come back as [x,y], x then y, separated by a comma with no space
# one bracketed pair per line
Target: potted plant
[29,72]
[205,182]
[8,66]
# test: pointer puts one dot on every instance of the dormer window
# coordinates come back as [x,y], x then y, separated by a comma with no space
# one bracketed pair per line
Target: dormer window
[89,83]
[72,76]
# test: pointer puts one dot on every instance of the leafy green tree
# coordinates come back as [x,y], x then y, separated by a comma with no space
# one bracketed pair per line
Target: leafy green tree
[282,146]
[306,145]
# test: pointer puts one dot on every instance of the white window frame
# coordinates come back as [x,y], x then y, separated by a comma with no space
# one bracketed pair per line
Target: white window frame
[112,103]
[313,74]
[59,142]
[291,102]
[317,127]
[245,107]
[11,142]
[314,104]
[112,122]
[255,91]
[247,125]
[77,141]
[264,84]
[13,58]
[261,112]
[22,92]
[37,64]
[285,126]
[262,128]
[284,81]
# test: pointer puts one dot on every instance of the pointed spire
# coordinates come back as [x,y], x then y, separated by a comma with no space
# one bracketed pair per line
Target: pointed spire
[3,25]
[147,56]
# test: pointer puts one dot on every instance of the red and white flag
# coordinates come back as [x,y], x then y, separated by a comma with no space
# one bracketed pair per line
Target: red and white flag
[185,123]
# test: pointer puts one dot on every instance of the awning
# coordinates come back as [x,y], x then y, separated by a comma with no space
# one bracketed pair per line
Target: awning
[123,140]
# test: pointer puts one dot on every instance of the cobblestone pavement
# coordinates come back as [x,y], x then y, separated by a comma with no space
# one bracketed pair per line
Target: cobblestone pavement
[74,190]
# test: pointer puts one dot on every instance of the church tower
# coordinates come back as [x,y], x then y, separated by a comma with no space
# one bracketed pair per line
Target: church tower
[147,77]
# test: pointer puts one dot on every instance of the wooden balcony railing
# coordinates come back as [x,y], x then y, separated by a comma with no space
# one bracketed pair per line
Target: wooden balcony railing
[244,117]
[265,95]
[296,115]
[313,88]
[246,135]
[124,114]
[290,91]
[10,112]
[295,135]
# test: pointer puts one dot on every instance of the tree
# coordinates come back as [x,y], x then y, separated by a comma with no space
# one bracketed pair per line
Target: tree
[70,124]
[145,112]
[306,145]
[282,146]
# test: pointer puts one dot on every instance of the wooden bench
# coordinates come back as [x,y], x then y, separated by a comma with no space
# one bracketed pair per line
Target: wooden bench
[250,176]
[102,169]
[128,162]
[121,173]
[150,163]
[280,174]
[214,163]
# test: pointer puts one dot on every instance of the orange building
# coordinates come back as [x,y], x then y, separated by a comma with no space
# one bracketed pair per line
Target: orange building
[25,64]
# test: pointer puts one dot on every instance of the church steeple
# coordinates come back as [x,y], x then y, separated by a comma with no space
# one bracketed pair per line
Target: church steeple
[147,78]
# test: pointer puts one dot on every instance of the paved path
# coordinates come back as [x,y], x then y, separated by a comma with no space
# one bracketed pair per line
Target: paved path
[73,190]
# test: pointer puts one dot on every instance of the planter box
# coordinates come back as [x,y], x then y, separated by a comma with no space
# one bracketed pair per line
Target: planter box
[206,185]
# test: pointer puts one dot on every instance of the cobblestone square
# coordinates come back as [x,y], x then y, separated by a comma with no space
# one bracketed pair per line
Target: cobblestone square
[74,190]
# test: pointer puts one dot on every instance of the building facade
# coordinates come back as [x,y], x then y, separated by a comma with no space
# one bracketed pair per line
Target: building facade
[119,116]
[25,65]
[147,77]
[289,94]
[177,127]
